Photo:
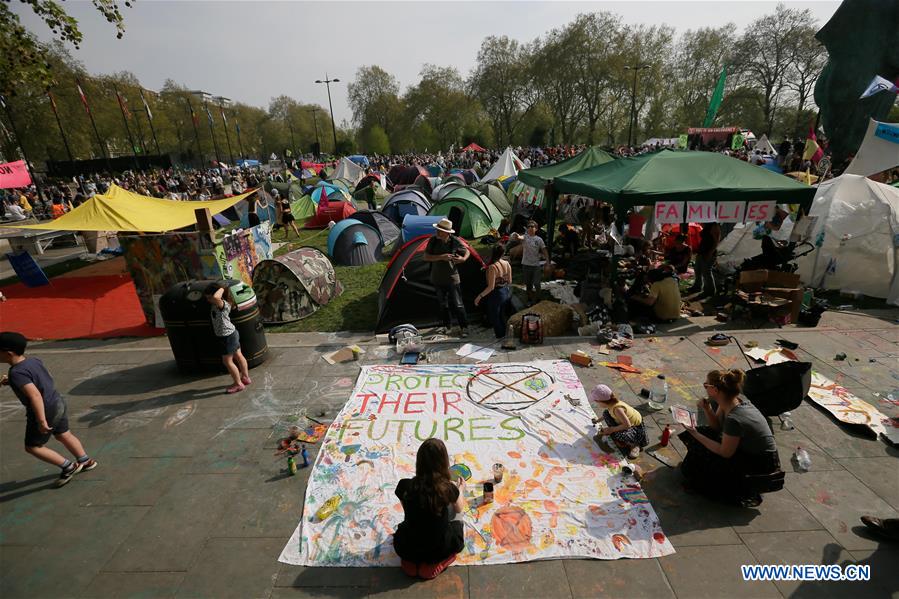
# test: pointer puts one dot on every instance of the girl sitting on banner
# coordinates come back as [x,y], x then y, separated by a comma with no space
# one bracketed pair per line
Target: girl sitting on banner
[430,535]
[738,442]
[624,423]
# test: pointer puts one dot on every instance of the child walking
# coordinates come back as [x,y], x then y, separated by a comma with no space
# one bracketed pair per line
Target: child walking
[45,409]
[227,334]
[624,423]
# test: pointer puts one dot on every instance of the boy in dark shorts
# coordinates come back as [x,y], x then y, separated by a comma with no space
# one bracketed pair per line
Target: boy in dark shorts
[45,409]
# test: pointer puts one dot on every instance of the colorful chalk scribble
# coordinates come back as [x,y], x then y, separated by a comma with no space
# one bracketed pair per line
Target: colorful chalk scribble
[560,496]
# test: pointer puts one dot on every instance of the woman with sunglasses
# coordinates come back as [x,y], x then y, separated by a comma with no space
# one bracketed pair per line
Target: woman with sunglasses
[737,442]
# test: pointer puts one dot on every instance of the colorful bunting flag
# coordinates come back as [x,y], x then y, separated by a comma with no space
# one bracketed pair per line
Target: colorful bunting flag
[877,85]
[146,106]
[87,107]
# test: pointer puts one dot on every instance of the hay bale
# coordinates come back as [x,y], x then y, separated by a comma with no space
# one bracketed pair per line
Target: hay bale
[557,318]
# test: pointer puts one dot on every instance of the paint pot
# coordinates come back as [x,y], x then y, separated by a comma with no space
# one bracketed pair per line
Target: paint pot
[498,473]
[488,492]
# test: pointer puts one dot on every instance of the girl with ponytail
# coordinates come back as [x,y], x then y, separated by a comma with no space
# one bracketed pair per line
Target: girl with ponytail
[737,442]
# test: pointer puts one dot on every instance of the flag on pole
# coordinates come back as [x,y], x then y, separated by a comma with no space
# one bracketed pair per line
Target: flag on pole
[2,102]
[208,115]
[812,150]
[123,104]
[194,116]
[877,85]
[717,97]
[52,102]
[224,120]
[237,125]
[146,106]
[87,107]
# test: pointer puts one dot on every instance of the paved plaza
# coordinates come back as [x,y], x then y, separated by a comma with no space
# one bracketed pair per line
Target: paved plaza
[190,500]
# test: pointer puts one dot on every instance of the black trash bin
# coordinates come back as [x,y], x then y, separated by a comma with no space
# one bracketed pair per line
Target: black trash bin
[185,312]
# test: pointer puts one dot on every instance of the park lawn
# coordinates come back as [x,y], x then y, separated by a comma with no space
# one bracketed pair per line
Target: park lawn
[356,309]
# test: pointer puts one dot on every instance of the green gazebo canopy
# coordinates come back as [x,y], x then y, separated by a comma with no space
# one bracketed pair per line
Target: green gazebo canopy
[537,177]
[682,176]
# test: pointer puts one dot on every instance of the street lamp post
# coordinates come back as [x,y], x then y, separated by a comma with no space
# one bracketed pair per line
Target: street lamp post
[222,102]
[293,141]
[328,83]
[318,140]
[633,121]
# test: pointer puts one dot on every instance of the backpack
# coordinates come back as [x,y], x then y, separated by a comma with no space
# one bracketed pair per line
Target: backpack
[532,329]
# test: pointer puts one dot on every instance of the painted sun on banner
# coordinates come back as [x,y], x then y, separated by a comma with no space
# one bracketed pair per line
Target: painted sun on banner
[560,495]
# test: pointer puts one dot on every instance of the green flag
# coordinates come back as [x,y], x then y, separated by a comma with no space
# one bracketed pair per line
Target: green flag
[682,141]
[737,142]
[715,102]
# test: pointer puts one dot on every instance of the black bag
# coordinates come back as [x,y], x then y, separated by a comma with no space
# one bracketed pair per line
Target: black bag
[531,329]
[778,388]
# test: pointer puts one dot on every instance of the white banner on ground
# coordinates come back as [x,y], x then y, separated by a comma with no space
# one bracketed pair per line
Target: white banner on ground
[560,495]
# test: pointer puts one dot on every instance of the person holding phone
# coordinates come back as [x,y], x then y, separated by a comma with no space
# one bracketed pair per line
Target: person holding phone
[446,252]
[430,535]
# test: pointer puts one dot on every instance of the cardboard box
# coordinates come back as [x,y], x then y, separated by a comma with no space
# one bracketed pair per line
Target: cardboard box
[793,295]
[756,280]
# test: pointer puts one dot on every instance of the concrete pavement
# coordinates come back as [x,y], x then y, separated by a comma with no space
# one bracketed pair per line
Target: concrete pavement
[190,501]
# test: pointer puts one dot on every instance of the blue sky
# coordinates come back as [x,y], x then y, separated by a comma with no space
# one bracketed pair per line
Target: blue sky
[253,51]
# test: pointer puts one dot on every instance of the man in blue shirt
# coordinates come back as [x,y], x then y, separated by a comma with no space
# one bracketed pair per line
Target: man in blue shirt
[44,407]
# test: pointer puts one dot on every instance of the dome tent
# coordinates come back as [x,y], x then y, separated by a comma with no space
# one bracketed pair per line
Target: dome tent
[295,285]
[497,195]
[403,202]
[406,293]
[473,215]
[386,227]
[330,211]
[352,243]
[444,188]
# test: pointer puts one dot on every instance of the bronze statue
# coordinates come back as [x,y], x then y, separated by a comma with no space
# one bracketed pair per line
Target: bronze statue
[862,39]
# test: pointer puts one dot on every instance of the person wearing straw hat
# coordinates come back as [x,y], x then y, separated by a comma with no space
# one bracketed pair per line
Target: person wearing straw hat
[445,252]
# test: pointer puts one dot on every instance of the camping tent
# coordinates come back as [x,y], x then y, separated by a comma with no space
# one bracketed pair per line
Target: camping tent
[879,150]
[764,146]
[473,215]
[332,191]
[415,226]
[330,211]
[678,176]
[403,202]
[360,160]
[473,147]
[295,285]
[497,195]
[406,293]
[353,243]
[122,210]
[537,177]
[856,232]
[386,227]
[508,165]
[400,174]
[349,170]
[465,175]
[444,188]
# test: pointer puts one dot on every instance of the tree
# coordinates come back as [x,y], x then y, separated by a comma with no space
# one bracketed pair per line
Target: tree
[648,47]
[374,141]
[809,58]
[502,81]
[24,58]
[439,99]
[696,64]
[374,98]
[766,53]
[554,75]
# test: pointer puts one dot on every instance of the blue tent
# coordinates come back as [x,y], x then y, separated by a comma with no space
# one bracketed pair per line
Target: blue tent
[414,226]
[353,243]
[360,160]
[246,162]
[403,202]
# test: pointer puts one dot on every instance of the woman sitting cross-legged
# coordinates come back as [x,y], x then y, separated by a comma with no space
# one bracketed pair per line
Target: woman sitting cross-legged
[430,535]
[738,442]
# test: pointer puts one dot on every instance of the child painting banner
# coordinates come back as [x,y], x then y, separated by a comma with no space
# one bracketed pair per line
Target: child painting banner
[560,495]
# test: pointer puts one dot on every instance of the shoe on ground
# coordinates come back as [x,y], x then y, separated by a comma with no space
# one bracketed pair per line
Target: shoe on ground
[634,453]
[234,389]
[429,571]
[463,332]
[89,465]
[245,380]
[884,528]
[66,475]
[409,568]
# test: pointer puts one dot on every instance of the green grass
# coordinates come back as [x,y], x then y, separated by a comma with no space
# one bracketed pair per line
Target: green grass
[356,309]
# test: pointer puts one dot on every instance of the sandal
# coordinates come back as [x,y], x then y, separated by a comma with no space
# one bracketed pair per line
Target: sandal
[751,501]
[234,389]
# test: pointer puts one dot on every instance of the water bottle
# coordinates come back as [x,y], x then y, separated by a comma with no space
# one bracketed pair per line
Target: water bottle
[291,465]
[802,459]
[786,422]
[658,396]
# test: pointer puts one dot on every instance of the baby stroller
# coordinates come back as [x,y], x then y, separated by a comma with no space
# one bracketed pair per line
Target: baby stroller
[776,256]
[776,388]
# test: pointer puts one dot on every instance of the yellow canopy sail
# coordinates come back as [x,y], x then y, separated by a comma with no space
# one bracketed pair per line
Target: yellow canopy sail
[123,210]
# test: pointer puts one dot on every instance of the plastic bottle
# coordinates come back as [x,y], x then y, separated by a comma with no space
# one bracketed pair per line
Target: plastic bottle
[305,455]
[291,465]
[802,459]
[666,436]
[658,397]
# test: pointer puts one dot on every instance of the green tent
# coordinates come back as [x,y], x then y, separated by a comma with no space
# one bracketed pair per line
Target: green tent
[678,176]
[496,194]
[538,177]
[479,215]
[301,205]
